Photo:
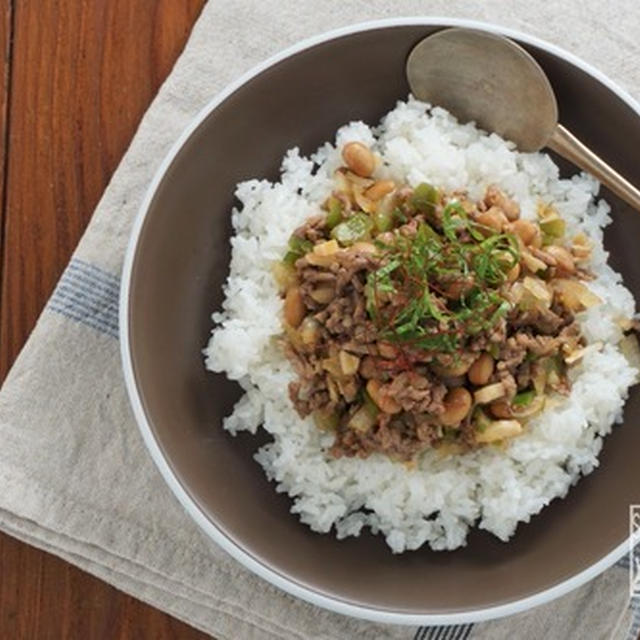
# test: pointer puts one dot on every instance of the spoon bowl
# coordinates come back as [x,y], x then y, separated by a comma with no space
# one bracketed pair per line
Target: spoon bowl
[488,78]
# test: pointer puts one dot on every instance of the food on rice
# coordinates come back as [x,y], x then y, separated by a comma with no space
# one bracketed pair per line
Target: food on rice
[418,318]
[441,310]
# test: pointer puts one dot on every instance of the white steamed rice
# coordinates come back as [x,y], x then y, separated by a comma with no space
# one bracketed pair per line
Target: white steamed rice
[438,501]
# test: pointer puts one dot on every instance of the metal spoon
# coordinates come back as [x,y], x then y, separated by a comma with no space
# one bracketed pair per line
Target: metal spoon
[490,79]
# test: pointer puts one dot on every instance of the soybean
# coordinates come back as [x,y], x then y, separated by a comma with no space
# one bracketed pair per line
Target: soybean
[359,159]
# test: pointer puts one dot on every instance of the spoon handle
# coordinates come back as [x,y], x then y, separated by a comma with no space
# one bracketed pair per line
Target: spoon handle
[564,143]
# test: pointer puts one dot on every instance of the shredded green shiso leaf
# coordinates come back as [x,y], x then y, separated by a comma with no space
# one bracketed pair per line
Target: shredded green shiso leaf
[407,296]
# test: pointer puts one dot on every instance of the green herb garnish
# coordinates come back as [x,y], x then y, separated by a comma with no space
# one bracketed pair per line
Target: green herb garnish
[553,227]
[440,286]
[524,398]
[399,216]
[334,212]
[425,197]
[357,227]
[298,247]
[495,256]
[383,220]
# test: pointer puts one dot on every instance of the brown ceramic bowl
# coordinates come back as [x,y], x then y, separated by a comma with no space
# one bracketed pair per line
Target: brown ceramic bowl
[178,260]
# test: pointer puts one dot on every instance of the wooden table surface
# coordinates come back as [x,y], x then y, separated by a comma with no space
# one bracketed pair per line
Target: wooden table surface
[76,77]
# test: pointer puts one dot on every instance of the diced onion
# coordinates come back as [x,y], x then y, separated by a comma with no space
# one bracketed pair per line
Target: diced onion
[342,183]
[364,203]
[327,248]
[348,362]
[332,365]
[326,420]
[284,275]
[362,420]
[553,226]
[539,378]
[362,247]
[574,295]
[309,331]
[538,290]
[499,430]
[631,351]
[355,179]
[489,393]
[334,394]
[577,354]
[535,406]
[532,263]
[581,247]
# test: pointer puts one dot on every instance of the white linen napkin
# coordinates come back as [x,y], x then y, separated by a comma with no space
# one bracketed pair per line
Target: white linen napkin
[74,475]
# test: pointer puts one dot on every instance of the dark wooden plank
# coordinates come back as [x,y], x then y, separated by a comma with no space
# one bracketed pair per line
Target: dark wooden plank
[44,598]
[6,12]
[82,74]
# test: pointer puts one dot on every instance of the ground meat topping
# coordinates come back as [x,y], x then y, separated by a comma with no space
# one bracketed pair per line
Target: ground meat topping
[416,318]
[417,393]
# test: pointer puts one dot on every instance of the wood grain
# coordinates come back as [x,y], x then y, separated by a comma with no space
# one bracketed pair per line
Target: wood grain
[75,78]
[44,598]
[5,69]
[82,75]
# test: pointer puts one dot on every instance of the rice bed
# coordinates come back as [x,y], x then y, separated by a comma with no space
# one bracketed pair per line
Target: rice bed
[438,501]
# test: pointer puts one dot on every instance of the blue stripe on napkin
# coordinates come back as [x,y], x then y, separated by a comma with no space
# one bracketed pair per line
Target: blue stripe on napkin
[450,632]
[635,619]
[625,561]
[89,295]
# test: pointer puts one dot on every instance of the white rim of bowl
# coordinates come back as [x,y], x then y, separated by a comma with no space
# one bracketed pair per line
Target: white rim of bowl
[305,593]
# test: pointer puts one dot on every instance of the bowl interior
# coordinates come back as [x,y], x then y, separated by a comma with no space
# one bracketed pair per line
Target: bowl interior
[181,262]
